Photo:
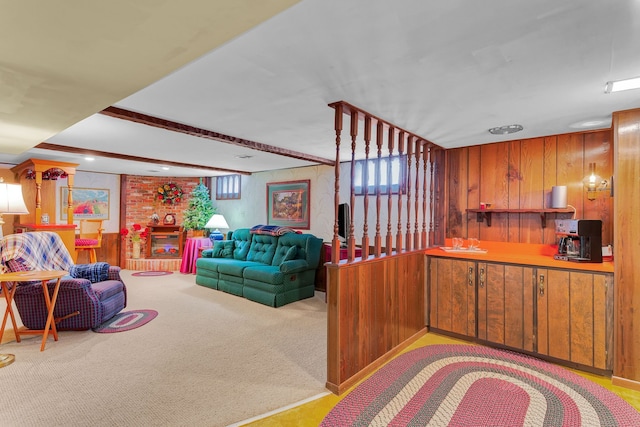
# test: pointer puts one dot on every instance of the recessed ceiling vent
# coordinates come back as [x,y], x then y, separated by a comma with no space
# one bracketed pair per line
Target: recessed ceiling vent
[504,130]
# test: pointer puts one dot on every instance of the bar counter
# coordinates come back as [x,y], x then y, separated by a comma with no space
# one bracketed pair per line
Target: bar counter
[520,253]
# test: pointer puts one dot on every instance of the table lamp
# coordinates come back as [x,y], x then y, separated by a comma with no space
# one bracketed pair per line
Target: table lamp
[217,221]
[11,202]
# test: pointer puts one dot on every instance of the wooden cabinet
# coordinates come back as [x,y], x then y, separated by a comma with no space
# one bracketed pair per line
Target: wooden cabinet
[575,318]
[505,305]
[564,314]
[452,295]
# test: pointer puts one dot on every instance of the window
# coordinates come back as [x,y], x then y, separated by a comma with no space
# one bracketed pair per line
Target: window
[228,187]
[368,169]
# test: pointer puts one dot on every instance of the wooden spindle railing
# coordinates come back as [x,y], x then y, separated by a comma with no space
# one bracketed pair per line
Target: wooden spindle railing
[416,235]
[365,226]
[390,143]
[377,240]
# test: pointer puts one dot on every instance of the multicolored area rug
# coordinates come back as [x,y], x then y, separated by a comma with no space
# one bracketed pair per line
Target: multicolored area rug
[126,321]
[151,273]
[464,385]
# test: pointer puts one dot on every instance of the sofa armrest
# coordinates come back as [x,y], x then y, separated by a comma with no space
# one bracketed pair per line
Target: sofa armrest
[294,266]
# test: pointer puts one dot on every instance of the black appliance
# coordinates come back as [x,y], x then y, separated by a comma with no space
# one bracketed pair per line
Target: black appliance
[580,240]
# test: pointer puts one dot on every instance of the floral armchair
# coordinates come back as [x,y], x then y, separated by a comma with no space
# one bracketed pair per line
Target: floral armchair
[90,295]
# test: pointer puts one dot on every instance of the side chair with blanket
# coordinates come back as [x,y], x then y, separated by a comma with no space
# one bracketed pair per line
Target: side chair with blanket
[90,295]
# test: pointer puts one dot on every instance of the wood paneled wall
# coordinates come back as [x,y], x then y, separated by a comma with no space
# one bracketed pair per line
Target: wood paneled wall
[108,252]
[519,175]
[374,309]
[626,365]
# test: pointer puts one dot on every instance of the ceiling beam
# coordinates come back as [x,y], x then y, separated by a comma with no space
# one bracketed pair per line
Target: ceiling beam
[75,150]
[121,113]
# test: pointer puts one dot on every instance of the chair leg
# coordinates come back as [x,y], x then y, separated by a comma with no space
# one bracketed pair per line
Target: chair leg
[92,256]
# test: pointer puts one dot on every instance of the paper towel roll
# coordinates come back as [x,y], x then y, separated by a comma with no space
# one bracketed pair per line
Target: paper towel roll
[559,196]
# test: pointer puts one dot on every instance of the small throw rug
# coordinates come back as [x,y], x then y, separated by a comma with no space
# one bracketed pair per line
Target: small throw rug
[465,385]
[151,273]
[126,321]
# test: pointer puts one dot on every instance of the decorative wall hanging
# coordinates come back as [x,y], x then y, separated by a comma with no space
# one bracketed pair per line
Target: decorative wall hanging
[170,194]
[88,203]
[288,204]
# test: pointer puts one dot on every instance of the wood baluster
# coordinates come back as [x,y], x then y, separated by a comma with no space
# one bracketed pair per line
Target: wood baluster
[335,242]
[377,241]
[38,212]
[408,240]
[425,159]
[365,227]
[399,245]
[431,199]
[70,199]
[416,234]
[390,143]
[351,242]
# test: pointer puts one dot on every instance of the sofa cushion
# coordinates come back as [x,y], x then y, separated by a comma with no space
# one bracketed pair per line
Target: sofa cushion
[223,249]
[235,267]
[96,272]
[264,273]
[241,243]
[291,254]
[262,249]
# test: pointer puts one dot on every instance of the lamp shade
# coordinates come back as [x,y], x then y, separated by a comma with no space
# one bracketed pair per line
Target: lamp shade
[11,200]
[217,221]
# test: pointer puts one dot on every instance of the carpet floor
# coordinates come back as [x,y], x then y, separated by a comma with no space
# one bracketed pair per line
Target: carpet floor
[208,359]
[465,385]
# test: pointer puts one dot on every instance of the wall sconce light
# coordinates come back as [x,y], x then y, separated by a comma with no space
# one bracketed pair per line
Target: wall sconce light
[594,183]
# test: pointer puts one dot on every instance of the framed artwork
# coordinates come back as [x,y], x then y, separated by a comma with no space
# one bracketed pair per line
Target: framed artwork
[88,203]
[288,204]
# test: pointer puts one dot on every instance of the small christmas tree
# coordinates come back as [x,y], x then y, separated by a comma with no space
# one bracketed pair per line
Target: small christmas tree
[200,208]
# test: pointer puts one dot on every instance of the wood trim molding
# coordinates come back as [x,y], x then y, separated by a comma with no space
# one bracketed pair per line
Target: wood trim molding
[121,113]
[66,149]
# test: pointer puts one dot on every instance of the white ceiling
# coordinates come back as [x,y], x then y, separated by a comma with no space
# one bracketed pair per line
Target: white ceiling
[447,71]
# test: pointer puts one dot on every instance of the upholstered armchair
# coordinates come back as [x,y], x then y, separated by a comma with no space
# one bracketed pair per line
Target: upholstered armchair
[90,295]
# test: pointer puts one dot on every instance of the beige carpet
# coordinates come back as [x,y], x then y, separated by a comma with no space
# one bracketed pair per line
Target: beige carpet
[208,359]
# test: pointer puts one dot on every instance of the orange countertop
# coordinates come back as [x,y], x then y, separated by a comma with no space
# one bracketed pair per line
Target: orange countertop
[521,253]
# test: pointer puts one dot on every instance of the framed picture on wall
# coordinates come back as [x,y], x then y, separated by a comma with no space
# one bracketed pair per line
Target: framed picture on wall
[288,204]
[88,203]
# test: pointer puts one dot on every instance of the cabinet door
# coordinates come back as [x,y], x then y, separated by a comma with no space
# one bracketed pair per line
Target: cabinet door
[452,295]
[575,316]
[505,305]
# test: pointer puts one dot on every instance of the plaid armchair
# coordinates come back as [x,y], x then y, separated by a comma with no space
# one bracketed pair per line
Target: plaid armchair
[89,296]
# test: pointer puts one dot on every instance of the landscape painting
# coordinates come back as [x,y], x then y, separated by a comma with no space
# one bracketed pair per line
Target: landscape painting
[88,203]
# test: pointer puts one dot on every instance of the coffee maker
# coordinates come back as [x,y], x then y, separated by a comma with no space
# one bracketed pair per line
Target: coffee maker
[580,240]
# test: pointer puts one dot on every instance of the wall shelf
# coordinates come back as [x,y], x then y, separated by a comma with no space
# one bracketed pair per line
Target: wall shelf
[482,214]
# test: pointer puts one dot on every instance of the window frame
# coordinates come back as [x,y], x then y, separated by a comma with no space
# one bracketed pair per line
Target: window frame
[399,187]
[225,184]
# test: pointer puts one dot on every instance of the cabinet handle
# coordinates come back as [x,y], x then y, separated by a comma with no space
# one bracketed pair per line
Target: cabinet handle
[541,285]
[482,277]
[470,276]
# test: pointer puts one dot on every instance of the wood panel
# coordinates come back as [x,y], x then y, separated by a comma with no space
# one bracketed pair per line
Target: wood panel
[514,308]
[492,275]
[514,180]
[528,302]
[360,336]
[559,332]
[627,247]
[550,174]
[109,252]
[520,174]
[494,188]
[581,317]
[542,315]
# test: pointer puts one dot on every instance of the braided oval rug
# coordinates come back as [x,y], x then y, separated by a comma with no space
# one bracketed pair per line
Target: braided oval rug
[465,385]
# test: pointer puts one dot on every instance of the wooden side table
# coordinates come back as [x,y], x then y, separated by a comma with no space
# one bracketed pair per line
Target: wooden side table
[25,276]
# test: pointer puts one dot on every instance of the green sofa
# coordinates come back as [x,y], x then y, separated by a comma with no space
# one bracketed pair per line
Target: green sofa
[272,270]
